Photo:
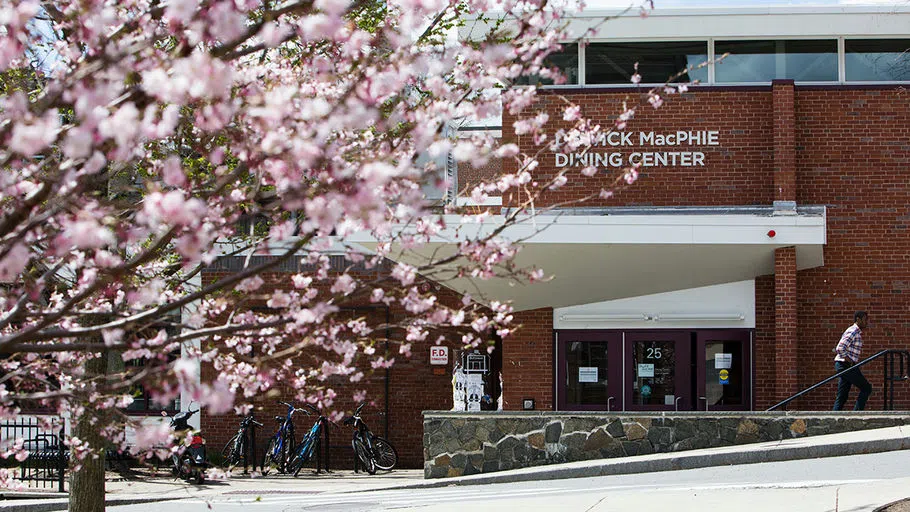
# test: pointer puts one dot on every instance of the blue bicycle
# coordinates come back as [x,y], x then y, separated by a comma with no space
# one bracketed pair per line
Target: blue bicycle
[281,444]
[309,446]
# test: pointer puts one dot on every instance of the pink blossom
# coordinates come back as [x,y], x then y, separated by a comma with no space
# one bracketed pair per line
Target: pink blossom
[112,336]
[151,436]
[344,284]
[300,281]
[13,263]
[173,208]
[559,181]
[250,284]
[404,273]
[78,143]
[226,24]
[655,100]
[279,299]
[28,139]
[86,234]
[172,172]
[182,11]
[220,398]
[282,230]
[186,370]
[122,126]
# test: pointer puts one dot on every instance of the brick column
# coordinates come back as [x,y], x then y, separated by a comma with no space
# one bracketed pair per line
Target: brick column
[527,361]
[784,146]
[785,340]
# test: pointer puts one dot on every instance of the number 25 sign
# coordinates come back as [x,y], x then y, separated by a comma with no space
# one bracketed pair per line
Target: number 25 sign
[439,355]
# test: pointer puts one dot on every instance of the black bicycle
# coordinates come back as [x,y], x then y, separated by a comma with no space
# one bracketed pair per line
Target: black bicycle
[371,451]
[309,446]
[239,447]
[278,451]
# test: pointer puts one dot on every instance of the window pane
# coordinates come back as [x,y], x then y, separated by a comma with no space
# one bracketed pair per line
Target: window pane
[586,373]
[614,63]
[724,373]
[878,59]
[763,61]
[567,62]
[654,373]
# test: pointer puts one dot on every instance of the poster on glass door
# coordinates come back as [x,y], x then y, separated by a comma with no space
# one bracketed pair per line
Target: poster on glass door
[587,374]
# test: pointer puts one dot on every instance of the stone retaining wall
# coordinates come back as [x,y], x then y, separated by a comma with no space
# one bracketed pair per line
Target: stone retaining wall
[456,444]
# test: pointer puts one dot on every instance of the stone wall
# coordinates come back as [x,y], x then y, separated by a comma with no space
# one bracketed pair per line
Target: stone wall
[456,444]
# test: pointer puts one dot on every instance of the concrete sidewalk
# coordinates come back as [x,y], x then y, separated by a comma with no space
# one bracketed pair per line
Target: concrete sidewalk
[163,487]
[160,488]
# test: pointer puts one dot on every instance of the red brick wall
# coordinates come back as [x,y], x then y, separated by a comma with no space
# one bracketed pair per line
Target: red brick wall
[853,155]
[850,152]
[527,361]
[469,176]
[785,337]
[763,343]
[736,172]
[413,388]
[784,135]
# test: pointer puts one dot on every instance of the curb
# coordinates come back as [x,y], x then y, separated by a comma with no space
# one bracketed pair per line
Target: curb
[53,504]
[675,461]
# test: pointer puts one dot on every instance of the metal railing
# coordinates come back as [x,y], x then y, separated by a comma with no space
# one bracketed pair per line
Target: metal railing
[47,455]
[901,357]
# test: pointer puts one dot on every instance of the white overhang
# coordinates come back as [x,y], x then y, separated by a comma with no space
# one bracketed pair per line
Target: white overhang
[597,255]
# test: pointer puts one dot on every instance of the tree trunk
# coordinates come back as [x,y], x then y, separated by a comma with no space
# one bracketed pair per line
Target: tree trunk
[87,483]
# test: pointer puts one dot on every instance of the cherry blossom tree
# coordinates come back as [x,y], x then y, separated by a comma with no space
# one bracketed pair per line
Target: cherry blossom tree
[139,134]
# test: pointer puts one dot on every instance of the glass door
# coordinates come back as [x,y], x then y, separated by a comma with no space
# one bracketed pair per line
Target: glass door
[724,370]
[587,373]
[657,371]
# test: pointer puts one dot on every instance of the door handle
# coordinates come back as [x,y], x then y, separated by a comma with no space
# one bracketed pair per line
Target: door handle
[706,401]
[609,407]
[676,403]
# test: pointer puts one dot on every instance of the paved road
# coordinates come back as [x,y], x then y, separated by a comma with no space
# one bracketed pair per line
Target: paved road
[855,483]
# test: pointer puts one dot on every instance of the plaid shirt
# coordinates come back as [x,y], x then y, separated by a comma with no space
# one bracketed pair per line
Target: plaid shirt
[850,344]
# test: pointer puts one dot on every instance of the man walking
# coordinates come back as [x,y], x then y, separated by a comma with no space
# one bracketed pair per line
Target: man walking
[848,350]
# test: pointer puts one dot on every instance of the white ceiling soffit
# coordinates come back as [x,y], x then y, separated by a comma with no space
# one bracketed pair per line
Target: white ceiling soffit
[596,258]
[730,305]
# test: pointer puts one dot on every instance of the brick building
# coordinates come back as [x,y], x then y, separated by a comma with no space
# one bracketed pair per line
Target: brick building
[773,200]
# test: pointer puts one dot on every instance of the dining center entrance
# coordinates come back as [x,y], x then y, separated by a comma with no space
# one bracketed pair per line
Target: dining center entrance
[654,370]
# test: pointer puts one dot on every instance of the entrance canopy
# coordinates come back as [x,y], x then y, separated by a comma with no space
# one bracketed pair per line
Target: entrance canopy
[611,253]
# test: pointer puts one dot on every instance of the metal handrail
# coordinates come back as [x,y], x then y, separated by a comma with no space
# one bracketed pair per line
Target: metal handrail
[903,371]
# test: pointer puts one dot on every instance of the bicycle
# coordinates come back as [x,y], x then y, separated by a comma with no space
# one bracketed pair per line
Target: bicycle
[372,451]
[310,444]
[239,446]
[281,443]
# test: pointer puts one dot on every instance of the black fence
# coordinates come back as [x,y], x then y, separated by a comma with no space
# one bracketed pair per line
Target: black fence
[47,459]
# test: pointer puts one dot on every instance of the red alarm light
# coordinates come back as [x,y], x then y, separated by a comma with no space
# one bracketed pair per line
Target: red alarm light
[771,233]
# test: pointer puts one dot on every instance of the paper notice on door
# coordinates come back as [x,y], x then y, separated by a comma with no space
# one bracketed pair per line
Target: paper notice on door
[723,361]
[587,374]
[645,370]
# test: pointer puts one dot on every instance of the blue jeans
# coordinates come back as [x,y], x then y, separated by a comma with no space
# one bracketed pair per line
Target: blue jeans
[851,378]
